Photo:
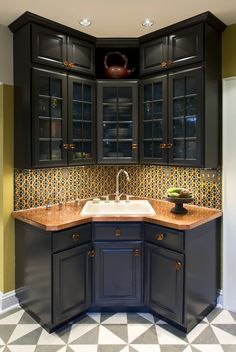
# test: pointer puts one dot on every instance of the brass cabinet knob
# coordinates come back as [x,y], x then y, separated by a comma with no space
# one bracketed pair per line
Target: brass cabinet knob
[160,237]
[162,145]
[134,146]
[66,63]
[76,236]
[71,64]
[169,62]
[72,146]
[164,64]
[66,146]
[91,253]
[118,232]
[137,252]
[178,265]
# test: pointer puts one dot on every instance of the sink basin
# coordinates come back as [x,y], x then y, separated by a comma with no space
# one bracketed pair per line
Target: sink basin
[133,207]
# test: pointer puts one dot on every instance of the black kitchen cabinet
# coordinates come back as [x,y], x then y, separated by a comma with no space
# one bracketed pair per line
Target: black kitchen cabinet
[172,122]
[63,119]
[71,283]
[117,273]
[53,48]
[117,118]
[49,118]
[180,48]
[81,121]
[164,285]
[103,266]
[153,123]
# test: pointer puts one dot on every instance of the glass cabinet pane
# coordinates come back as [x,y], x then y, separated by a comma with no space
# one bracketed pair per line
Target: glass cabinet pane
[44,85]
[147,111]
[77,130]
[110,149]
[56,88]
[148,92]
[125,149]
[124,95]
[49,117]
[109,95]
[77,91]
[157,151]
[87,93]
[147,149]
[125,131]
[77,111]
[87,130]
[109,131]
[157,129]
[186,116]
[77,152]
[87,111]
[147,132]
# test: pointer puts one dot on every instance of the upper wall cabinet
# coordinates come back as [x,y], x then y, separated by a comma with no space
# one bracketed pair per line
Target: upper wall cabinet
[180,48]
[52,48]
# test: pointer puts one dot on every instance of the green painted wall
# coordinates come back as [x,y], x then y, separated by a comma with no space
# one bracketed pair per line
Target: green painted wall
[7,235]
[229,51]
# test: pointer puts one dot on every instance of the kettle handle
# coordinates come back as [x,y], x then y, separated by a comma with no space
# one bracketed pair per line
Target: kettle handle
[116,53]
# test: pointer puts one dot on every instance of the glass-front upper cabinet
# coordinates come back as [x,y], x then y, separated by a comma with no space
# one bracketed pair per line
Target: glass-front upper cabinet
[49,118]
[117,114]
[81,120]
[185,111]
[153,129]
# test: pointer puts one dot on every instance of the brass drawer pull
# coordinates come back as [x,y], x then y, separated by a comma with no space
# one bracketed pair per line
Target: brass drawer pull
[169,62]
[54,103]
[178,265]
[169,145]
[91,253]
[163,145]
[66,146]
[137,253]
[75,237]
[71,146]
[164,64]
[160,236]
[134,146]
[66,63]
[71,64]
[118,232]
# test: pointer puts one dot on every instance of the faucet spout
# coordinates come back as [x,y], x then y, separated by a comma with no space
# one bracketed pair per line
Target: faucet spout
[117,197]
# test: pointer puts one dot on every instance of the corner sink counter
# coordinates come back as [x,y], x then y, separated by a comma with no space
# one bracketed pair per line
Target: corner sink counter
[71,214]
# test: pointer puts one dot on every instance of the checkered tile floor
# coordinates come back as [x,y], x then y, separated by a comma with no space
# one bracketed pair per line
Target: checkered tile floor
[118,332]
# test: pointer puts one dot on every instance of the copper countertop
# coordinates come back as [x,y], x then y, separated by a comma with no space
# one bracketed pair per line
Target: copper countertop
[68,215]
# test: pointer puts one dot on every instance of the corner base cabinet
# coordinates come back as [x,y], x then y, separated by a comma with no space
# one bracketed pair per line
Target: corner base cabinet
[117,266]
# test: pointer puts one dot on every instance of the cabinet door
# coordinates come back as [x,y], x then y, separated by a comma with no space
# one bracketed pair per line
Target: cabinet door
[49,118]
[164,282]
[81,56]
[117,274]
[153,129]
[71,283]
[81,121]
[117,108]
[185,117]
[186,46]
[48,46]
[152,55]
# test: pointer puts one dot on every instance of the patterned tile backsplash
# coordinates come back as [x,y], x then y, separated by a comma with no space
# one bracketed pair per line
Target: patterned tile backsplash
[34,188]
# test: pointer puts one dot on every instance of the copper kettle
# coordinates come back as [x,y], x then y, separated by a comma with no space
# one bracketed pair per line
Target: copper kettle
[115,71]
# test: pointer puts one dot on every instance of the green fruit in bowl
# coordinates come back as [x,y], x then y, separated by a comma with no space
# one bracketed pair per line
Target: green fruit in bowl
[173,195]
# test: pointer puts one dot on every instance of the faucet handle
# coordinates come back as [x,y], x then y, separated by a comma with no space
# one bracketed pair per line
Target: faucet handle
[107,200]
[48,204]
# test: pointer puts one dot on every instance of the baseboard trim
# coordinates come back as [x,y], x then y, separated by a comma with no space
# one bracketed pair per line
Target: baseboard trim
[220,298]
[8,301]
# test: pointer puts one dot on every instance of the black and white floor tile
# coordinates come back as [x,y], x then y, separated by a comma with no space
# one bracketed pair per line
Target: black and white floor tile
[118,332]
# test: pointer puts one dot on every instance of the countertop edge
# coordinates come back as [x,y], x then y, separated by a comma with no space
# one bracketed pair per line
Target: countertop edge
[134,218]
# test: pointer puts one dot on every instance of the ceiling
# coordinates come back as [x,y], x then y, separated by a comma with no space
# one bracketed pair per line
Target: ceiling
[118,18]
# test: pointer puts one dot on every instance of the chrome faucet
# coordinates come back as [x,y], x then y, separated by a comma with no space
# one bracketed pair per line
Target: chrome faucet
[118,195]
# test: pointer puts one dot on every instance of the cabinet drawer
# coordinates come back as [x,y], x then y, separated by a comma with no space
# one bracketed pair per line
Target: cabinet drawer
[164,236]
[71,237]
[117,231]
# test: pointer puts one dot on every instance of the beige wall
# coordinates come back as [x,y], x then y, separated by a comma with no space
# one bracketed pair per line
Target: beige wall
[229,52]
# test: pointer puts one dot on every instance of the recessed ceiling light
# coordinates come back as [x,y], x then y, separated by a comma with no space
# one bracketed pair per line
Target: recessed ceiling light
[86,22]
[147,23]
